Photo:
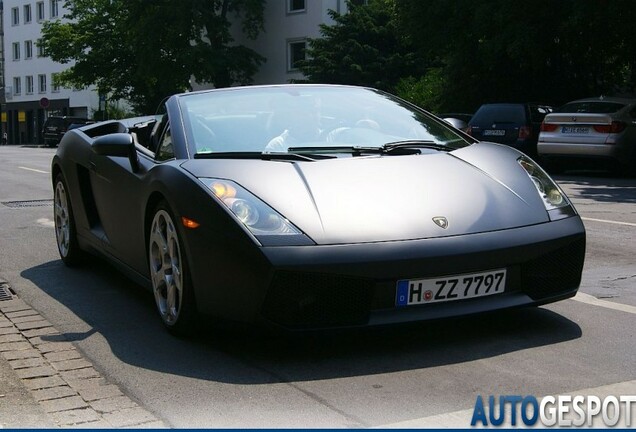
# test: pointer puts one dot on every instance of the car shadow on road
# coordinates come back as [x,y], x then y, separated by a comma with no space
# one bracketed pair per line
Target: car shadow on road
[599,187]
[123,314]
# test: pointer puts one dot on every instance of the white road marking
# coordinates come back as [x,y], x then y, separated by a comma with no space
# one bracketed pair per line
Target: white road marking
[461,419]
[591,300]
[33,169]
[609,221]
[46,222]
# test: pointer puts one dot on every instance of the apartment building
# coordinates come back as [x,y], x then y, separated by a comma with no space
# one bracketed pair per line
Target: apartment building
[288,24]
[29,92]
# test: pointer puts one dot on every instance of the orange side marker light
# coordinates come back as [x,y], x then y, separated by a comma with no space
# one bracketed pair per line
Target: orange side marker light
[189,223]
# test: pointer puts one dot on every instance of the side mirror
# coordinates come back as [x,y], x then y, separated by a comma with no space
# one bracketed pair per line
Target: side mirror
[117,145]
[456,123]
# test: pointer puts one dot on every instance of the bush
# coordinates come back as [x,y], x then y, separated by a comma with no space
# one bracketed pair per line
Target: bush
[425,92]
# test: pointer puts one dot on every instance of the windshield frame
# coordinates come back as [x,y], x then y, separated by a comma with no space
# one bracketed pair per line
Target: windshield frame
[326,95]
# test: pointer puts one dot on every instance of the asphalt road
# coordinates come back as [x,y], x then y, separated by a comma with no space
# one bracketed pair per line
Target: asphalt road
[413,376]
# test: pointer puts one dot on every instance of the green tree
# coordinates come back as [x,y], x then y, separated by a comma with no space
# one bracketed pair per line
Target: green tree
[143,50]
[363,47]
[531,50]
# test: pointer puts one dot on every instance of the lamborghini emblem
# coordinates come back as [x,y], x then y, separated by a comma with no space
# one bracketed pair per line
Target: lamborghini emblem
[441,221]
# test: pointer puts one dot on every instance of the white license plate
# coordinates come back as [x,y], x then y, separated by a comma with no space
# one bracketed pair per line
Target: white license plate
[494,132]
[450,288]
[575,130]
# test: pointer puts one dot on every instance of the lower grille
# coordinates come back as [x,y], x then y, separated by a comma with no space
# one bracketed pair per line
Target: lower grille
[300,300]
[313,300]
[555,272]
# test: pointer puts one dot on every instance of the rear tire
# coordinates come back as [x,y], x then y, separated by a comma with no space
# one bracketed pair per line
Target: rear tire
[169,273]
[65,231]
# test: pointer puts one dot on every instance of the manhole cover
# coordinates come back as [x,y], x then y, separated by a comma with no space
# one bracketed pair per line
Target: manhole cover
[30,203]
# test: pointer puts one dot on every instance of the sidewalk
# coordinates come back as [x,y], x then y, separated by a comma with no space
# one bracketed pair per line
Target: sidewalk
[18,408]
[46,383]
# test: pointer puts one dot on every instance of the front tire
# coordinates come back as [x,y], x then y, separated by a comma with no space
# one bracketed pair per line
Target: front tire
[169,273]
[65,231]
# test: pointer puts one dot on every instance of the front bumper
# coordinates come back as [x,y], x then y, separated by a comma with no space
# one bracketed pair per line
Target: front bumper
[312,287]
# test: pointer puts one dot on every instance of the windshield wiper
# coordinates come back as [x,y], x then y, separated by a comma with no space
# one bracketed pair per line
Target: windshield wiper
[258,155]
[355,150]
[406,145]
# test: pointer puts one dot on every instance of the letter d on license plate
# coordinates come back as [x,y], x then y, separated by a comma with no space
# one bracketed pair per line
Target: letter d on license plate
[449,288]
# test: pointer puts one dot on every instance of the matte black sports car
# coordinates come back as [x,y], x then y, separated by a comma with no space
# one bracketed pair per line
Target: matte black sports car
[313,206]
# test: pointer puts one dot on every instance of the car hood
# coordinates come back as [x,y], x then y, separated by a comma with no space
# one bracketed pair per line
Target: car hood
[387,198]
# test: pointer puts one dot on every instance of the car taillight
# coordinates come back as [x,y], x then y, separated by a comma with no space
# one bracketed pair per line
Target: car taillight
[615,127]
[525,132]
[548,127]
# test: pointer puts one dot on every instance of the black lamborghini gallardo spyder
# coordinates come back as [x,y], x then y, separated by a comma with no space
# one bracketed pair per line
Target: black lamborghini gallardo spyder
[313,206]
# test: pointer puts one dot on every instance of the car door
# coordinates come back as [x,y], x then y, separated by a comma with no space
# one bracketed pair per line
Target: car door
[119,195]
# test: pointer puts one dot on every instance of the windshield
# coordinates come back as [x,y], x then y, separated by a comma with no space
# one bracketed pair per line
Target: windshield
[275,119]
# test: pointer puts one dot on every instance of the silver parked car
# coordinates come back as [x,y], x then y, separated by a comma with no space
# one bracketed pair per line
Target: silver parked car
[599,129]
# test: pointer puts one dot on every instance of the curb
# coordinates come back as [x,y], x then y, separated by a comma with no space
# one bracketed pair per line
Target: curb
[59,378]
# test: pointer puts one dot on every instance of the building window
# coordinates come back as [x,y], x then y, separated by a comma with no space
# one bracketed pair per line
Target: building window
[15,16]
[295,6]
[295,54]
[42,83]
[28,84]
[55,11]
[27,13]
[55,86]
[28,49]
[40,46]
[39,11]
[16,50]
[17,86]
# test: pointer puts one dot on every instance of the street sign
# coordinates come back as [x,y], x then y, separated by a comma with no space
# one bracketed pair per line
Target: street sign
[44,102]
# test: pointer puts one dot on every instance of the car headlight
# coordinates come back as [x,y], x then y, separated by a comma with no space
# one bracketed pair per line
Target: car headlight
[552,196]
[258,217]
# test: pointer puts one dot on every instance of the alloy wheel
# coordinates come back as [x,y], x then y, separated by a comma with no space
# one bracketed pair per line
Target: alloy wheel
[166,267]
[62,219]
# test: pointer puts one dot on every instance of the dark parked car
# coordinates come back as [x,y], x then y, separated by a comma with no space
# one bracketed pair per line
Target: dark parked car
[55,127]
[313,206]
[513,124]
